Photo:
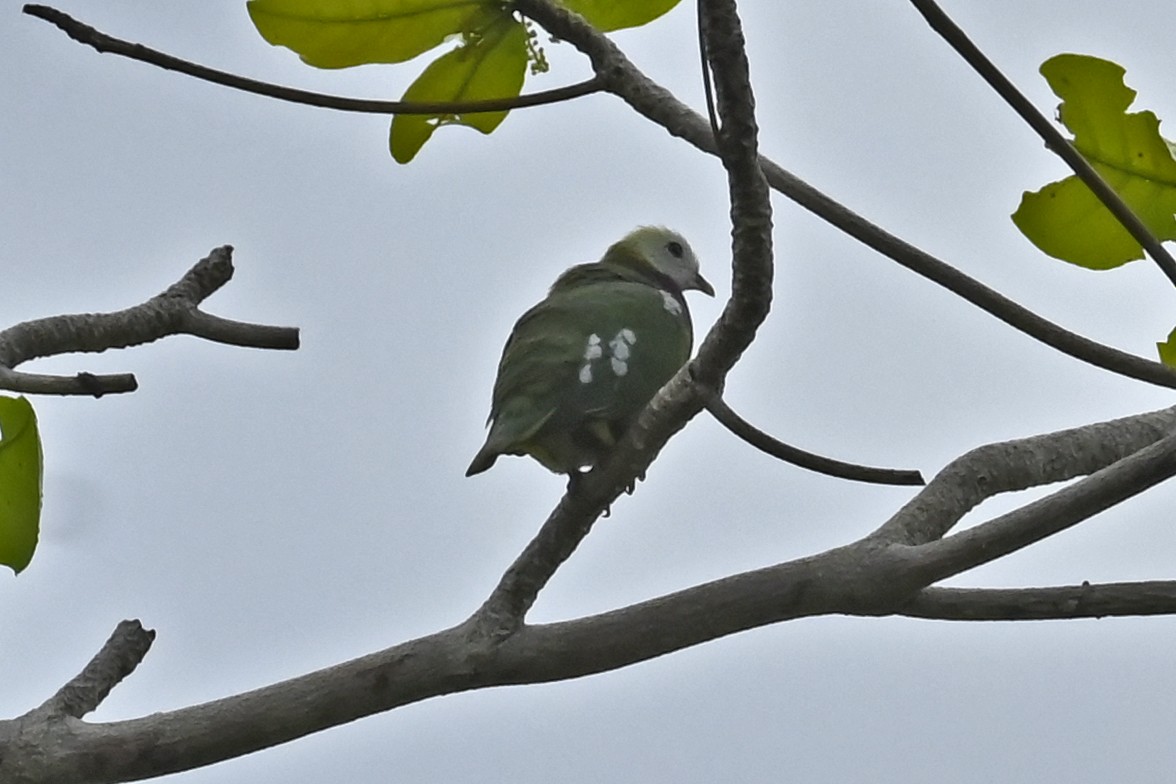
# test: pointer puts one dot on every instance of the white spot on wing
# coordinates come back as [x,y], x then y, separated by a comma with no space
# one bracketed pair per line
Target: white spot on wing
[671,305]
[593,350]
[585,373]
[619,348]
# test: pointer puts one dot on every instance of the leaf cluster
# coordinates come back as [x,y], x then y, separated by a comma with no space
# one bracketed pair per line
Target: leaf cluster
[494,48]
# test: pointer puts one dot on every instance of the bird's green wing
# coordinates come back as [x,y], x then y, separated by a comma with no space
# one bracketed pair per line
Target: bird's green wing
[579,365]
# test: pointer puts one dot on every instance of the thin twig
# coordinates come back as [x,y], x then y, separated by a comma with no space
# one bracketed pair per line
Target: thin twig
[942,24]
[704,67]
[1154,597]
[102,42]
[173,312]
[83,384]
[808,460]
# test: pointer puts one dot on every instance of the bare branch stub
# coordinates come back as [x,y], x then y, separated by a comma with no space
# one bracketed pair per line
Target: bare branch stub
[173,312]
[117,659]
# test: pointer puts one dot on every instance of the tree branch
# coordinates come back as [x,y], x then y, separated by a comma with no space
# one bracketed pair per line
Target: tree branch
[117,659]
[872,576]
[1157,597]
[1045,517]
[884,573]
[751,204]
[681,398]
[107,44]
[942,24]
[619,76]
[174,312]
[1020,464]
[807,460]
[657,104]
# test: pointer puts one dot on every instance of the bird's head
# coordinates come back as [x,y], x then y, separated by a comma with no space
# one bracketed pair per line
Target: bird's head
[667,252]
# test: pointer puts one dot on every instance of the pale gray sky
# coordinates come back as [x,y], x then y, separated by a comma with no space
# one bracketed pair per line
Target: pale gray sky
[271,513]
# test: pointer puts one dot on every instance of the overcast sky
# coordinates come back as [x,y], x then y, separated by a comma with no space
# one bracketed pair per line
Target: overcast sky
[271,513]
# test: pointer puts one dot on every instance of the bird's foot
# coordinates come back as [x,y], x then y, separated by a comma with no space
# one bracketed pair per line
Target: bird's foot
[629,488]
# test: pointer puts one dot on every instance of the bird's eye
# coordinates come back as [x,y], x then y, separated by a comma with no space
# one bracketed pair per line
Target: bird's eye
[675,249]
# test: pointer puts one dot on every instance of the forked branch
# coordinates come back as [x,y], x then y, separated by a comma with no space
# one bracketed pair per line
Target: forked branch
[176,311]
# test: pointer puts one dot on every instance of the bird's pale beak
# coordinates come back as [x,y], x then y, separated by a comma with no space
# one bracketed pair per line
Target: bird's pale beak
[700,283]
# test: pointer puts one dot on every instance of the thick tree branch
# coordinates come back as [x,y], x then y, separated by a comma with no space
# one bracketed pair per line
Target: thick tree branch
[873,577]
[1157,597]
[941,23]
[458,659]
[104,43]
[174,312]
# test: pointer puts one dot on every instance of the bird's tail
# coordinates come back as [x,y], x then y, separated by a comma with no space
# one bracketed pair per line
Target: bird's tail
[483,460]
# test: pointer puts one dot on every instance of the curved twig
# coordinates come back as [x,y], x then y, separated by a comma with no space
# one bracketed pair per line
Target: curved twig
[808,460]
[174,312]
[942,24]
[102,42]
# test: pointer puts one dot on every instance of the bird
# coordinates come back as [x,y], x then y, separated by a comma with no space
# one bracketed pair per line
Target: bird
[581,364]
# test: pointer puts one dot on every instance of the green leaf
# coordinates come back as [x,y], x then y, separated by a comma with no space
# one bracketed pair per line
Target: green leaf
[606,15]
[20,482]
[343,33]
[492,65]
[1065,219]
[1167,349]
